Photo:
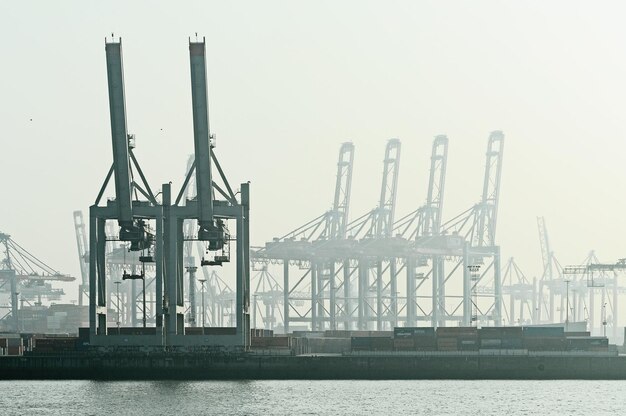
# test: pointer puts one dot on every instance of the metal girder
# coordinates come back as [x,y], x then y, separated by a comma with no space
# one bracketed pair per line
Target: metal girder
[119,133]
[430,221]
[487,210]
[388,191]
[201,134]
[338,221]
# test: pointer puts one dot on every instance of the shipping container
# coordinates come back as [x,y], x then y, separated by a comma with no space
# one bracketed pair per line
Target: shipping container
[328,345]
[423,342]
[447,343]
[404,344]
[545,344]
[360,343]
[587,344]
[310,334]
[512,343]
[381,344]
[272,342]
[456,330]
[543,332]
[468,344]
[578,334]
[494,343]
[337,334]
[500,332]
[14,342]
[208,330]
[380,334]
[15,350]
[404,332]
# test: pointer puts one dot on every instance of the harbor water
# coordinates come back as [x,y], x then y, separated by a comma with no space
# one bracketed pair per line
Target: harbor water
[359,397]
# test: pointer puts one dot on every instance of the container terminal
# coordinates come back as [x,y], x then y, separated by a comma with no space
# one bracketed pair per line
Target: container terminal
[374,297]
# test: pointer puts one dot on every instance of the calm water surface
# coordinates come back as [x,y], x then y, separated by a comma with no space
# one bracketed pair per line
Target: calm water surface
[313,398]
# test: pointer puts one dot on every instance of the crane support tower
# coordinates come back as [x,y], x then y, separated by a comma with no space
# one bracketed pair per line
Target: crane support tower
[155,228]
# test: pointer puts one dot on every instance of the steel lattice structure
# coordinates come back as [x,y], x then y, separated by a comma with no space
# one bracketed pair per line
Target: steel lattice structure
[351,280]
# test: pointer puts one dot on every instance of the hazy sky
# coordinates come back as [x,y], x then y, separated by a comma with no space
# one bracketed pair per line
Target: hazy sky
[290,80]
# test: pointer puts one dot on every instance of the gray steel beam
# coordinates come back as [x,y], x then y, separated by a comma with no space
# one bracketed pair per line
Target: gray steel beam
[286,295]
[347,312]
[201,133]
[117,108]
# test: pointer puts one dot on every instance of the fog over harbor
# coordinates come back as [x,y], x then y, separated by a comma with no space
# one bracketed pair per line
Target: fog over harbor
[290,82]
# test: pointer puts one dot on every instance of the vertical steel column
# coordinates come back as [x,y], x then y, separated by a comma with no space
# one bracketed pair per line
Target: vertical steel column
[615,306]
[347,305]
[592,302]
[497,287]
[14,311]
[332,297]
[363,288]
[244,313]
[411,301]
[467,287]
[171,263]
[552,302]
[535,303]
[320,296]
[133,306]
[379,294]
[441,286]
[512,308]
[101,276]
[93,239]
[241,284]
[393,285]
[159,271]
[180,271]
[313,296]
[192,295]
[435,296]
[286,295]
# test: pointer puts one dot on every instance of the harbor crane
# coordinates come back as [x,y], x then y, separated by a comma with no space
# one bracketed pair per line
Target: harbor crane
[26,276]
[155,228]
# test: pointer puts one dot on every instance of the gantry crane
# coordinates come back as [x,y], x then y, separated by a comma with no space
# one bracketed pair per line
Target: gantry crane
[26,277]
[422,228]
[596,276]
[317,249]
[482,284]
[164,245]
[521,292]
[376,257]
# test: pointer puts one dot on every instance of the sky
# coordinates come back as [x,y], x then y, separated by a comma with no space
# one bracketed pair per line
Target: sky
[289,81]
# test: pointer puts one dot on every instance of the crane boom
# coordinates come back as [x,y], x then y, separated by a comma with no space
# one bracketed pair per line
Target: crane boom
[117,109]
[487,209]
[341,204]
[387,203]
[81,244]
[430,220]
[201,135]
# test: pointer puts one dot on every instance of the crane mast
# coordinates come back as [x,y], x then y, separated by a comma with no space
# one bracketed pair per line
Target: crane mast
[387,203]
[208,231]
[341,203]
[131,229]
[487,210]
[430,220]
[546,253]
[81,244]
